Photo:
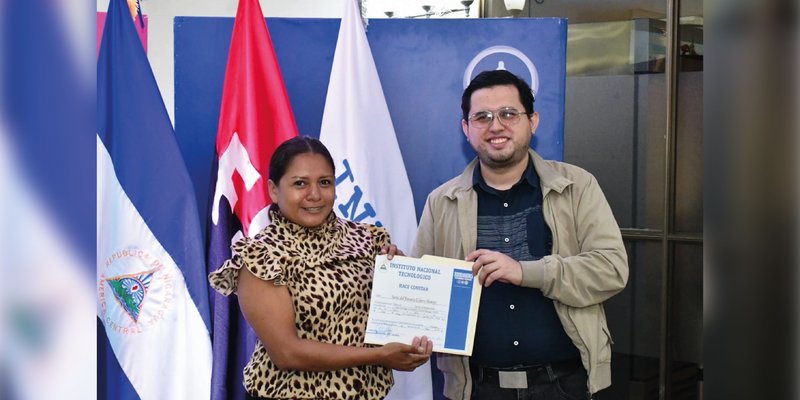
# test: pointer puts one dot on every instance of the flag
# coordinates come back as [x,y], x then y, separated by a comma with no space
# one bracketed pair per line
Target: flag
[152,292]
[47,211]
[255,117]
[371,181]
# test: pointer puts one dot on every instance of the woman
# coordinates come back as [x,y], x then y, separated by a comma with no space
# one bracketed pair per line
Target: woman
[304,286]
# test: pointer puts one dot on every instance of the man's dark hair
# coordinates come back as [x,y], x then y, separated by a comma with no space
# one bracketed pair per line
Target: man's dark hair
[290,149]
[497,77]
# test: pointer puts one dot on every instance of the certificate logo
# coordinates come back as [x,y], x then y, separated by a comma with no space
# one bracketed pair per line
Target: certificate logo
[383,266]
[462,278]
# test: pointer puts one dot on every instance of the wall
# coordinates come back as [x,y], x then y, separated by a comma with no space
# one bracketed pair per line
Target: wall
[160,34]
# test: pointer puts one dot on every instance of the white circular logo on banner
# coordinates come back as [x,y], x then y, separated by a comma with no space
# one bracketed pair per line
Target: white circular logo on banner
[534,74]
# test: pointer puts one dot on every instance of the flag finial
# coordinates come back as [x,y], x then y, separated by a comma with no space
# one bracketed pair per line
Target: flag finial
[362,7]
[136,9]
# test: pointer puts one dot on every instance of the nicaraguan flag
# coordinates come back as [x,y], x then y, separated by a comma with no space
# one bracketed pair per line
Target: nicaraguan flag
[48,306]
[255,117]
[371,182]
[152,292]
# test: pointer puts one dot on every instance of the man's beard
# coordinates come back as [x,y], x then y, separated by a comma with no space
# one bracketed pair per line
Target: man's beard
[499,161]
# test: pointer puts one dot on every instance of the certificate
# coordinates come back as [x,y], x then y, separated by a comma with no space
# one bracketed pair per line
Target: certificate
[429,296]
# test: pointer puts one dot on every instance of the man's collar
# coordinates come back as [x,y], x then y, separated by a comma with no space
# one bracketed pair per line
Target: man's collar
[549,177]
[528,175]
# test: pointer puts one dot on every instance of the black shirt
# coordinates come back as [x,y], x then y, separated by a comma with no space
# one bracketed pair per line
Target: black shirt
[516,325]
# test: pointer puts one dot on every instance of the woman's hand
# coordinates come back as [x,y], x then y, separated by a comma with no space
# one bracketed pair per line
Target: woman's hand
[268,308]
[404,357]
[391,250]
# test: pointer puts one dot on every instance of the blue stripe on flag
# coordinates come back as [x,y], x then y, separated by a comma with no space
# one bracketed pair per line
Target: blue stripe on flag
[112,383]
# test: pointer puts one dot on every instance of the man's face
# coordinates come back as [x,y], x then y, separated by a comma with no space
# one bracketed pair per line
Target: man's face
[499,145]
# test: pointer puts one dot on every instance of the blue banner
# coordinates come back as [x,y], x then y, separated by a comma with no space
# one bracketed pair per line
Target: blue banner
[421,65]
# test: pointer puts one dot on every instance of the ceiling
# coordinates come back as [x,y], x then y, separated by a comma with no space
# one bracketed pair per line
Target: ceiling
[577,11]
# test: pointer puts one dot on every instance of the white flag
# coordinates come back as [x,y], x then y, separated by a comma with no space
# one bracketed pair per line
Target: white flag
[371,181]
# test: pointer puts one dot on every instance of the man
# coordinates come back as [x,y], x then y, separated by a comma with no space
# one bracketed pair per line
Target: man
[545,246]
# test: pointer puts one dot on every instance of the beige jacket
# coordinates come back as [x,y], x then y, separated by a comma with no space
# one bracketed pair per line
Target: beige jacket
[588,264]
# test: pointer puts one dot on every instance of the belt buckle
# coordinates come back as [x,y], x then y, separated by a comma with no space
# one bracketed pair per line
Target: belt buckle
[512,379]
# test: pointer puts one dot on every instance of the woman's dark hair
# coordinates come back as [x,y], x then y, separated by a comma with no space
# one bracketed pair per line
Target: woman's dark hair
[290,149]
[497,77]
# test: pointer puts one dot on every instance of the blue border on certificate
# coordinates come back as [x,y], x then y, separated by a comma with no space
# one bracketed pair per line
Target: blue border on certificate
[458,316]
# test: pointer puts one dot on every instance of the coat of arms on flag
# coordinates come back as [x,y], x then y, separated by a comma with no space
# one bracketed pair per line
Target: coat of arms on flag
[130,291]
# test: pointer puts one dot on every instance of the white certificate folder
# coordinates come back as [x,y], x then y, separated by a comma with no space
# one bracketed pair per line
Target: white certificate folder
[430,296]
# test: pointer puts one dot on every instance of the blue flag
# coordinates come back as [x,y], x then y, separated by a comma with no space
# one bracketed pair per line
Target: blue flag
[47,219]
[152,294]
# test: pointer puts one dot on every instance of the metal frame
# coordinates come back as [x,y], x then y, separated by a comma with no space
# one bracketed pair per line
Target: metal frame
[667,236]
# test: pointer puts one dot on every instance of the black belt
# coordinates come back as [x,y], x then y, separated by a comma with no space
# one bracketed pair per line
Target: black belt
[537,374]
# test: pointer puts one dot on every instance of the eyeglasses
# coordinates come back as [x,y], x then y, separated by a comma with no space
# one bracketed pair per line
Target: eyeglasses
[508,116]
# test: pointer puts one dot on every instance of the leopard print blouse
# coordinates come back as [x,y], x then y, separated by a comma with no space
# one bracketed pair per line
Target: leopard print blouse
[328,271]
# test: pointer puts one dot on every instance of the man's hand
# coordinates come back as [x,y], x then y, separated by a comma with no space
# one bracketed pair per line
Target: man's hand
[490,266]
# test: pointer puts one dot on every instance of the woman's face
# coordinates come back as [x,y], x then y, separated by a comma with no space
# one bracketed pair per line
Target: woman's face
[305,192]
